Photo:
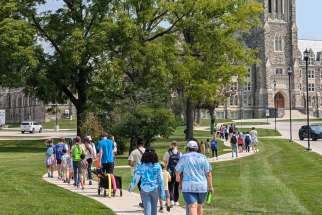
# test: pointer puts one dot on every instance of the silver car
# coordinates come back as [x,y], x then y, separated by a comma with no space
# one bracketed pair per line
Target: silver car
[30,126]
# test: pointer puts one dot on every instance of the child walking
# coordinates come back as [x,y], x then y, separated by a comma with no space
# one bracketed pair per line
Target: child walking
[50,158]
[66,165]
[166,180]
[83,171]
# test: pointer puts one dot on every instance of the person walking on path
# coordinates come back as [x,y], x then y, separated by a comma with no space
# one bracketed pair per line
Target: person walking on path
[202,148]
[248,141]
[240,141]
[58,149]
[253,134]
[233,143]
[106,153]
[83,170]
[194,171]
[89,157]
[166,181]
[207,145]
[77,151]
[170,160]
[50,160]
[150,175]
[214,146]
[135,160]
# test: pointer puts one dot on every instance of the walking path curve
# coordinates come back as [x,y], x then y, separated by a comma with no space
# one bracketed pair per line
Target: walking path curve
[128,203]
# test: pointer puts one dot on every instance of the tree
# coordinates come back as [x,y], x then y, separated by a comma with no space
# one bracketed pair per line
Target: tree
[212,51]
[85,36]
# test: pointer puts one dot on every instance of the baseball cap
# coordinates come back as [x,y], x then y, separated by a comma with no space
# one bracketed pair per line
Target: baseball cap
[89,138]
[192,144]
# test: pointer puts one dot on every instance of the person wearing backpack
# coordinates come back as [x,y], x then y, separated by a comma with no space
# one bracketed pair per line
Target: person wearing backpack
[77,151]
[247,142]
[171,159]
[240,141]
[233,142]
[213,145]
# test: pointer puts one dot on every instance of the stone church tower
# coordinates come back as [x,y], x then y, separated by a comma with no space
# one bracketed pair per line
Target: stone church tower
[278,51]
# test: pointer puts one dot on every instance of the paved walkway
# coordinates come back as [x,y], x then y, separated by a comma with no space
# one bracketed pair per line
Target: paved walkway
[128,203]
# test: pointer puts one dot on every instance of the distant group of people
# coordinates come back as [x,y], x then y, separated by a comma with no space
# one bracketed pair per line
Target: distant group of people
[160,182]
[238,141]
[74,160]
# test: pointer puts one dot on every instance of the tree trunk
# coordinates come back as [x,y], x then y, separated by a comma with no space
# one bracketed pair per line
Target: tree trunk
[189,119]
[212,119]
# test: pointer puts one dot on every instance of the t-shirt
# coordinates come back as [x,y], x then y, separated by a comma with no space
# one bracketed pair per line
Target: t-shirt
[106,146]
[136,156]
[50,151]
[58,148]
[194,167]
[213,144]
[166,179]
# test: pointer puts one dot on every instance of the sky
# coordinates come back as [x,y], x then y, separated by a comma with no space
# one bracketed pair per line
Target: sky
[309,17]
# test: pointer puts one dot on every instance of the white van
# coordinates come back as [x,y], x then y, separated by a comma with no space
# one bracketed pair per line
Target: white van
[30,126]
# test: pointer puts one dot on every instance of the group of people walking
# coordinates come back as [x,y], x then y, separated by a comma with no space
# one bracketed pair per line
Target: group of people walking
[74,160]
[160,182]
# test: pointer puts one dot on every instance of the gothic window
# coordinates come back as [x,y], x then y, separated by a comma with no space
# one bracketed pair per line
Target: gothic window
[231,100]
[270,6]
[279,71]
[248,86]
[311,87]
[278,43]
[249,100]
[276,6]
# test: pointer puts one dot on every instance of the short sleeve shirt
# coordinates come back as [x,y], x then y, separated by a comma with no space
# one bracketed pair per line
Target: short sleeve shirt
[107,146]
[135,157]
[194,167]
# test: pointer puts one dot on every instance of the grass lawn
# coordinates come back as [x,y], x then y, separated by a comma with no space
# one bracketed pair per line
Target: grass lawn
[281,179]
[206,122]
[262,132]
[22,190]
[63,124]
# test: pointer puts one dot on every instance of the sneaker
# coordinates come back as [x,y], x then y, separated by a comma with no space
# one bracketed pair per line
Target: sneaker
[161,209]
[168,208]
[176,204]
[48,174]
[90,182]
[141,205]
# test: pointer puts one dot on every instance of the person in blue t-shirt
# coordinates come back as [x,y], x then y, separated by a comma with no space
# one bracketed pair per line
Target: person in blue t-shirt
[106,153]
[196,178]
[214,146]
[58,151]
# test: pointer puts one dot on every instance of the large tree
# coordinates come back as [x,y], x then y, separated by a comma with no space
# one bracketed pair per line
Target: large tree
[212,51]
[86,36]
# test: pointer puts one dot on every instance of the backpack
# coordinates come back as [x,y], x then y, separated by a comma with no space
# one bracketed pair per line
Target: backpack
[173,161]
[240,140]
[213,144]
[233,140]
[76,153]
[247,139]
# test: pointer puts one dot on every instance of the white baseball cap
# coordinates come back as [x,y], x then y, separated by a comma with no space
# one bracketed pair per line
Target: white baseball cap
[89,138]
[192,144]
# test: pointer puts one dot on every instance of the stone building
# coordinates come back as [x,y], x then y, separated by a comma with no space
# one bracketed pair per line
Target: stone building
[20,107]
[267,84]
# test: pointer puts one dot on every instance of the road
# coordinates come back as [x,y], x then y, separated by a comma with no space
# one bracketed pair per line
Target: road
[284,129]
[15,134]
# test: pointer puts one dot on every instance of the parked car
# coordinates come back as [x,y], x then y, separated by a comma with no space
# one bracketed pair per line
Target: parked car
[315,132]
[30,126]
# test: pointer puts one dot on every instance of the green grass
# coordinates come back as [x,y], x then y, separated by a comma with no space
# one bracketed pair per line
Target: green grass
[262,132]
[281,179]
[63,124]
[22,190]
[206,122]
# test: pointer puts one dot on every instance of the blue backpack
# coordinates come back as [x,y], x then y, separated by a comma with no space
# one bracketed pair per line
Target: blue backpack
[247,139]
[173,161]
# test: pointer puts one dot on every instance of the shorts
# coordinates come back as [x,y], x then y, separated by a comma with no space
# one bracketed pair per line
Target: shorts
[58,161]
[108,168]
[192,198]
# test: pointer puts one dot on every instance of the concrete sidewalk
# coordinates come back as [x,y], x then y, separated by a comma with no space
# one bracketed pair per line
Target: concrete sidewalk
[128,203]
[125,205]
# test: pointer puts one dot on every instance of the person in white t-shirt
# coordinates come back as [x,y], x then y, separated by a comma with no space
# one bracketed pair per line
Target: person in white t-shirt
[135,159]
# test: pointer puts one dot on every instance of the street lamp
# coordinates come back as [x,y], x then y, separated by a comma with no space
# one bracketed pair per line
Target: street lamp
[306,59]
[289,72]
[274,101]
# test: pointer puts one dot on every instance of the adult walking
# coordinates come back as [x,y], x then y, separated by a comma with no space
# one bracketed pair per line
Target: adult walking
[149,173]
[77,151]
[58,152]
[194,171]
[135,160]
[106,153]
[89,156]
[170,160]
[214,146]
[233,143]
[253,134]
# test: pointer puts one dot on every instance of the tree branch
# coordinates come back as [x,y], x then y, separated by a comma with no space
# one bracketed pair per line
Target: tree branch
[45,35]
[168,30]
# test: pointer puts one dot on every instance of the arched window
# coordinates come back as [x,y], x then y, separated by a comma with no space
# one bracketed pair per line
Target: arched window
[270,6]
[278,43]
